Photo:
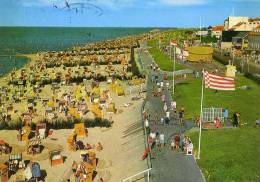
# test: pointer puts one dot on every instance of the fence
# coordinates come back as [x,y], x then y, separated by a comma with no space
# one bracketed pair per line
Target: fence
[130,179]
[209,114]
[242,65]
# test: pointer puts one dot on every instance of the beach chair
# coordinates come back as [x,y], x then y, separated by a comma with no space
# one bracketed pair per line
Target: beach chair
[80,130]
[3,172]
[41,130]
[120,91]
[55,158]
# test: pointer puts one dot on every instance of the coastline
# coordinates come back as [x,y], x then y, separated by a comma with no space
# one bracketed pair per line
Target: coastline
[32,57]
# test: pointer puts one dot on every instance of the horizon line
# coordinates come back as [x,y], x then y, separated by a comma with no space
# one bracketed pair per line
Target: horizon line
[152,27]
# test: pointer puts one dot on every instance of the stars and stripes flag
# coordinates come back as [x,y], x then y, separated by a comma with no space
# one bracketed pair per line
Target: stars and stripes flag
[173,43]
[217,82]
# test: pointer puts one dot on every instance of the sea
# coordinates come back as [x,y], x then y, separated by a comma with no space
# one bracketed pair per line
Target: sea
[25,40]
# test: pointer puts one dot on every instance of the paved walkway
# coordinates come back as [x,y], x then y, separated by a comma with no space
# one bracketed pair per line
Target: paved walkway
[168,166]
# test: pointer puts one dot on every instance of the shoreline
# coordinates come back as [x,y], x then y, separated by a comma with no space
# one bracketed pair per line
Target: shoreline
[31,56]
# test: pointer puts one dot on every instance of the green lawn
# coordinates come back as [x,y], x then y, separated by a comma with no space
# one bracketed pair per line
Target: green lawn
[231,155]
[163,60]
[247,102]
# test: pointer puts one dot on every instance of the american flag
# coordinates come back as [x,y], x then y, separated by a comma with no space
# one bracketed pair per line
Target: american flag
[217,82]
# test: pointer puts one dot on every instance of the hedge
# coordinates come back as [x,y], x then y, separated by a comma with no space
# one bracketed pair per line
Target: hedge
[59,124]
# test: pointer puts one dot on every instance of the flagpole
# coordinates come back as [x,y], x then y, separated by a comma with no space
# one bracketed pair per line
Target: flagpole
[201,111]
[173,73]
[200,30]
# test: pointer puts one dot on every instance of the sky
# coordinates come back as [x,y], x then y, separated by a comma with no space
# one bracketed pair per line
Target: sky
[123,13]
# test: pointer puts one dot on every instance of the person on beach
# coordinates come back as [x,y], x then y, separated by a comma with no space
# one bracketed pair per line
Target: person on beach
[77,177]
[74,167]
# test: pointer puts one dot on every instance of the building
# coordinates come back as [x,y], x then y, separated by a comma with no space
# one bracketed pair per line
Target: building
[200,54]
[231,21]
[234,39]
[254,39]
[241,23]
[202,33]
[217,31]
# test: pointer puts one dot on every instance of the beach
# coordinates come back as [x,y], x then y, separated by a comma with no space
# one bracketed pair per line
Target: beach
[94,86]
[123,147]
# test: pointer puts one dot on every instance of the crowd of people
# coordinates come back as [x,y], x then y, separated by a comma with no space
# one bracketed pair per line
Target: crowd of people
[59,73]
[156,136]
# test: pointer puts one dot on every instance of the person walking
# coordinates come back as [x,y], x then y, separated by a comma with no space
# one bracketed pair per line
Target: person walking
[163,97]
[235,119]
[165,108]
[181,115]
[147,126]
[162,143]
[173,106]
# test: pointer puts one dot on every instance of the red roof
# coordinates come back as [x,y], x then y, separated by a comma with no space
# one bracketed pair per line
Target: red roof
[218,28]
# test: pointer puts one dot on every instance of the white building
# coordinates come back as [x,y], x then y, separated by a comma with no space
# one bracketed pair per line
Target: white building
[202,33]
[231,21]
[217,31]
[241,23]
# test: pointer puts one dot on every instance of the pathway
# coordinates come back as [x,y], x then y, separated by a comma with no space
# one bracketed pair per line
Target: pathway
[168,166]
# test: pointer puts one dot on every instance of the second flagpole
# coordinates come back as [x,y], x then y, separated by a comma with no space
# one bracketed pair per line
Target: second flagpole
[201,111]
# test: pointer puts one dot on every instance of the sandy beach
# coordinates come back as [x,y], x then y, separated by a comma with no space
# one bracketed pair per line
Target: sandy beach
[123,146]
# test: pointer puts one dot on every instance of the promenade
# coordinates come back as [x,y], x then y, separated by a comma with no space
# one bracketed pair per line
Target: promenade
[167,166]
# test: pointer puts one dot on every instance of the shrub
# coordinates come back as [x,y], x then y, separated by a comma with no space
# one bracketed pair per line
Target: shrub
[13,125]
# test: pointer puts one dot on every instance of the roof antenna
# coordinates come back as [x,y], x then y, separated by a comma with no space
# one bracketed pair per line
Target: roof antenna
[233,11]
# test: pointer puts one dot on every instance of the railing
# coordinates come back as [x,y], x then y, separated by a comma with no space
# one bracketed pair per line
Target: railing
[130,179]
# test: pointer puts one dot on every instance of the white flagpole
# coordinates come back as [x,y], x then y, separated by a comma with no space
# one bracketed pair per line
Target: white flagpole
[201,111]
[170,51]
[200,31]
[173,72]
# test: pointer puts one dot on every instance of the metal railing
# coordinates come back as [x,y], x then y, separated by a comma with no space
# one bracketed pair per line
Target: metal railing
[130,179]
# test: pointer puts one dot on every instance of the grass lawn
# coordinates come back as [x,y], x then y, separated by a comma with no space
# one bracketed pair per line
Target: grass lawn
[247,102]
[231,155]
[163,60]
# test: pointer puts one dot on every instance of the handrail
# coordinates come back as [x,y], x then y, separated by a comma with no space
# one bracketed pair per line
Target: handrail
[131,177]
